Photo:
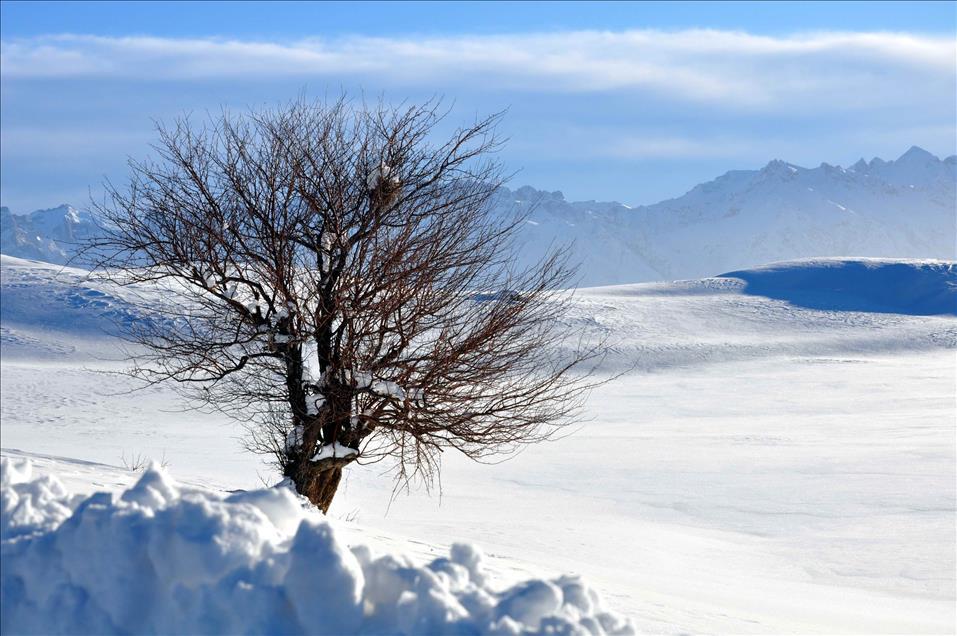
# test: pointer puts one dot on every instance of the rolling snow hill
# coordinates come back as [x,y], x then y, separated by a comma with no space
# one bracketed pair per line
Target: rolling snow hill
[779,458]
[917,288]
[905,208]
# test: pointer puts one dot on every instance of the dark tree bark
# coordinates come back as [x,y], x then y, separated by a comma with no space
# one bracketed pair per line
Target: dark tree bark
[318,483]
[337,281]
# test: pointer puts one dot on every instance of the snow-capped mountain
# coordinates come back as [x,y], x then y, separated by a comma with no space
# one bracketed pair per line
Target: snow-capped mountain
[46,235]
[904,208]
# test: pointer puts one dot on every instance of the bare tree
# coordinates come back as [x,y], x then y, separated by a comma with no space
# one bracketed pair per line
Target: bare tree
[339,282]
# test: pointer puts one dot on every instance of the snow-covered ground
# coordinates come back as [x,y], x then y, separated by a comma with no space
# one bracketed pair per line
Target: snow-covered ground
[161,558]
[770,464]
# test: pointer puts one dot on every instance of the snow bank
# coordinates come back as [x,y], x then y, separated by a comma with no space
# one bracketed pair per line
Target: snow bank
[913,287]
[162,558]
[30,506]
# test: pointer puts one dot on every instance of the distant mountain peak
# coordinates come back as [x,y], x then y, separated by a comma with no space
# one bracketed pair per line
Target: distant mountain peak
[916,153]
[826,167]
[528,193]
[779,167]
[777,163]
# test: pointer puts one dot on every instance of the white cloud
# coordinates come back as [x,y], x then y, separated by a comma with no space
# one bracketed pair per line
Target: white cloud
[733,69]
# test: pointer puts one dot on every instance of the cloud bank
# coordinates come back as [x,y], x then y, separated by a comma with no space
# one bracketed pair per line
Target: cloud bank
[724,68]
[637,115]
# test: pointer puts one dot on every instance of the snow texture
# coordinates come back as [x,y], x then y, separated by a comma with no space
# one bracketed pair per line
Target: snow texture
[164,558]
[768,467]
[335,449]
[383,388]
[29,506]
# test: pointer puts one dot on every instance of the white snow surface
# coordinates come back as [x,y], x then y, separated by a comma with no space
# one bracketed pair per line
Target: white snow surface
[161,558]
[780,457]
[329,451]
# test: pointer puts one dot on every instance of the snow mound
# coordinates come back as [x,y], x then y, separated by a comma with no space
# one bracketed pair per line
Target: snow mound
[29,506]
[913,287]
[164,558]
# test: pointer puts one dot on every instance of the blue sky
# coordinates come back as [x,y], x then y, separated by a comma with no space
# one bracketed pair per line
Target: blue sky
[633,102]
[299,19]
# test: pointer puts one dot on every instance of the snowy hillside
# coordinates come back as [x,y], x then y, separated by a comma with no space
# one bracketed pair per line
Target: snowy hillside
[780,458]
[745,218]
[918,288]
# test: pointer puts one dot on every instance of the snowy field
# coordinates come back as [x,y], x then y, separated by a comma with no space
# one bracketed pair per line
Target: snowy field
[782,462]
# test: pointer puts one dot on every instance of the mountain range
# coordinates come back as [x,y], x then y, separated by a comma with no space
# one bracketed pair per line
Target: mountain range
[905,208]
[45,235]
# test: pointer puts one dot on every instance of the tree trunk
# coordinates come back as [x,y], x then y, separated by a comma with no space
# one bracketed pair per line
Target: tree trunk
[317,482]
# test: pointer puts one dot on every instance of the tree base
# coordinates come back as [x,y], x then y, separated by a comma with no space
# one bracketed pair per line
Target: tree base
[316,482]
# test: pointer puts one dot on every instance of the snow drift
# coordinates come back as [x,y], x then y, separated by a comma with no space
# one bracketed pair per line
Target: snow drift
[163,558]
[916,288]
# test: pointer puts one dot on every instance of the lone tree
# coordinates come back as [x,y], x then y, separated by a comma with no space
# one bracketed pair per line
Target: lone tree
[338,281]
